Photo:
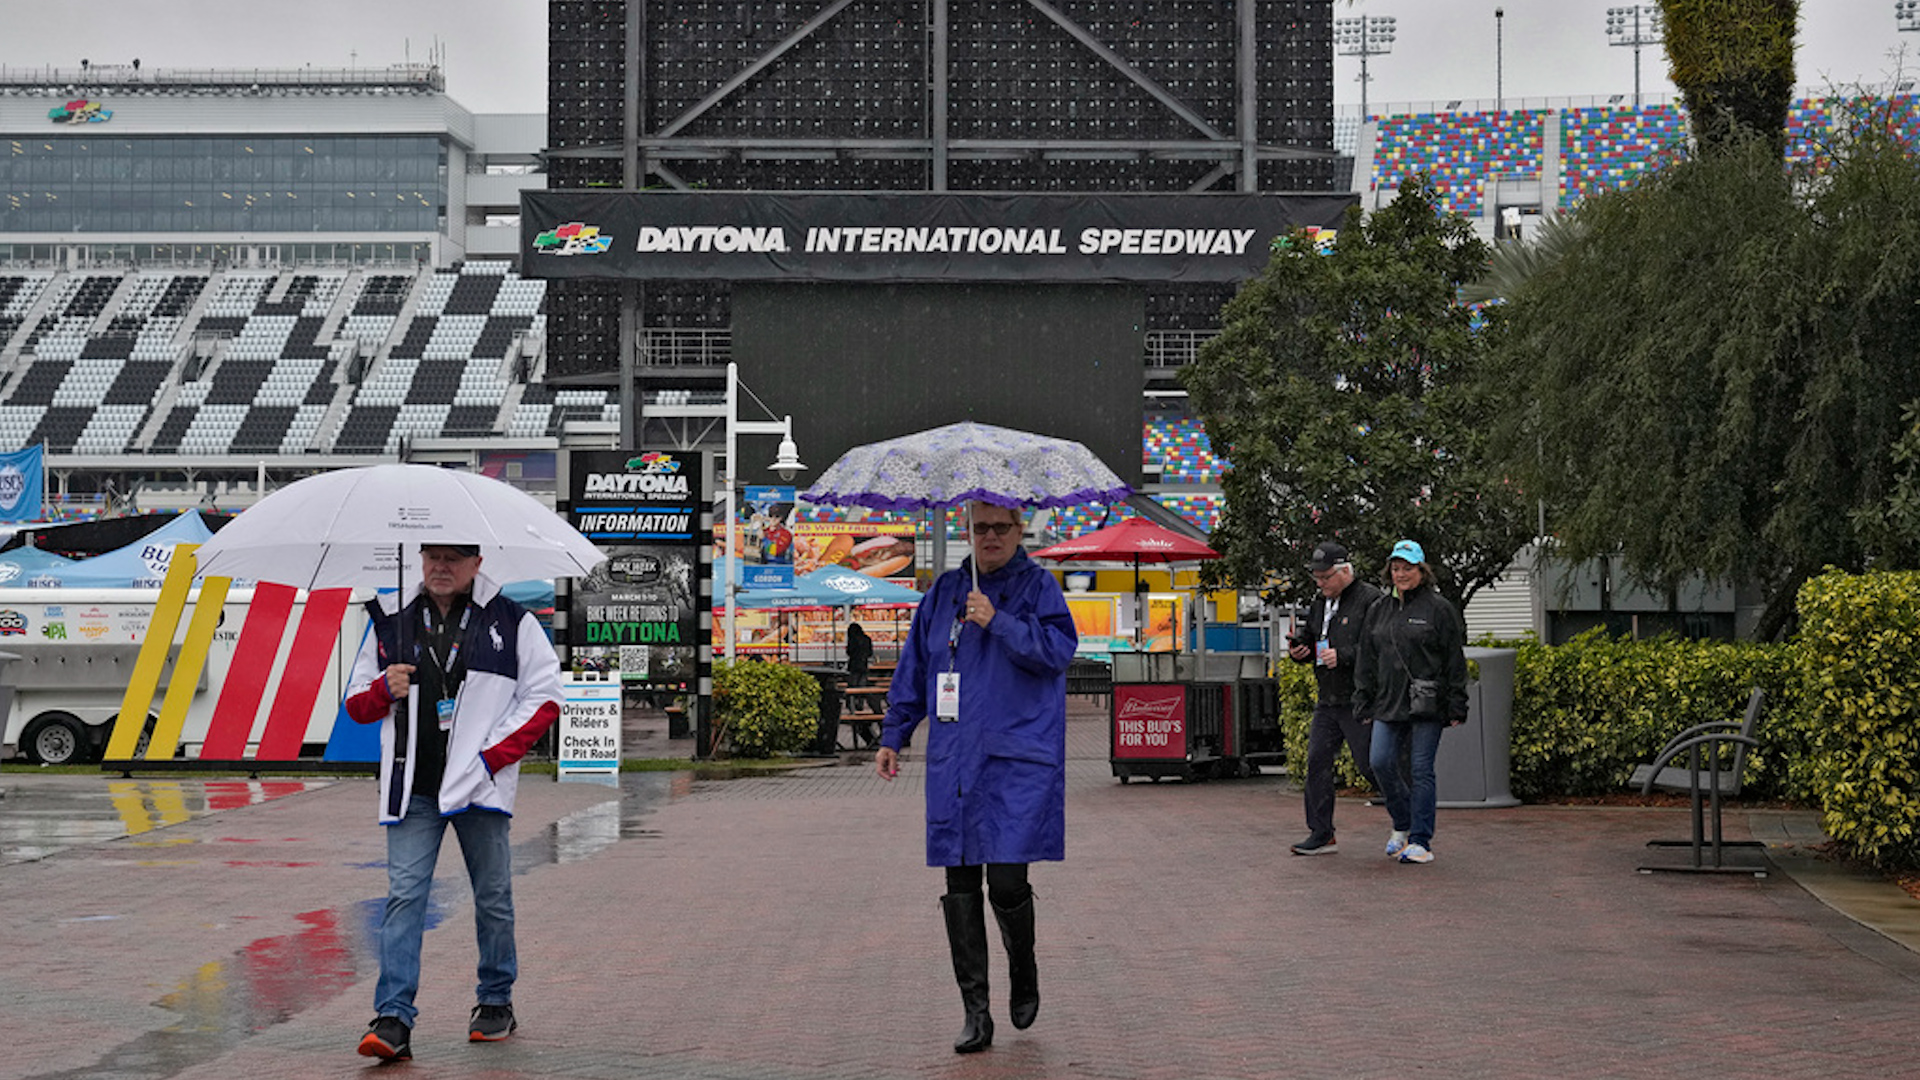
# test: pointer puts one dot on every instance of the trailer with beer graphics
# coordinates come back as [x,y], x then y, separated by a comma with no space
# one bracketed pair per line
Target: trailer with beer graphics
[73,652]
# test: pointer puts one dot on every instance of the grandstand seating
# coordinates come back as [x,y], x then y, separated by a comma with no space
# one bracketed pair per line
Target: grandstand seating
[253,369]
[1177,448]
[1604,148]
[1600,148]
[1460,149]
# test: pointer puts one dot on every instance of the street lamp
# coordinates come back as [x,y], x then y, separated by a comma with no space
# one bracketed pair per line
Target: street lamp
[1633,26]
[1906,14]
[1363,36]
[786,464]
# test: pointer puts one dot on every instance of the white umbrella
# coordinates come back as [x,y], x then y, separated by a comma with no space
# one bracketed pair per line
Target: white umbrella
[352,527]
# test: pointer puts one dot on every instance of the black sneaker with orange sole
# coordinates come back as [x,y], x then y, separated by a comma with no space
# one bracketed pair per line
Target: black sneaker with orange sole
[388,1038]
[491,1023]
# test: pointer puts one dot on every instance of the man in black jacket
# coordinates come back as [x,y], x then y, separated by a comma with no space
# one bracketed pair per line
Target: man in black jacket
[1330,640]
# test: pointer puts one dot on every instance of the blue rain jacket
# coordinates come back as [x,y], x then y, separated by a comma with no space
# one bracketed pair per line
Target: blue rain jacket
[997,777]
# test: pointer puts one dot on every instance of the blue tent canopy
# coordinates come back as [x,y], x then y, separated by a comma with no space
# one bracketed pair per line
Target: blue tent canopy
[141,564]
[854,587]
[803,594]
[32,568]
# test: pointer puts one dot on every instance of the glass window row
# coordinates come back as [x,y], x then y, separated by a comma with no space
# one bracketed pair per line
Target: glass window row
[219,219]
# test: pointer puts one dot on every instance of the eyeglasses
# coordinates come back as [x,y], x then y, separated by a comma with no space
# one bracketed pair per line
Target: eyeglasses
[997,528]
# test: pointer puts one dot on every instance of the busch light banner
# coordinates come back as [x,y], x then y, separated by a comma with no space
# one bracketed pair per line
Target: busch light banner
[911,236]
[23,484]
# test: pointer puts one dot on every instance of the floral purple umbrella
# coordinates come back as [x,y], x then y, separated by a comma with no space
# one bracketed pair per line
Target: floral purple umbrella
[965,462]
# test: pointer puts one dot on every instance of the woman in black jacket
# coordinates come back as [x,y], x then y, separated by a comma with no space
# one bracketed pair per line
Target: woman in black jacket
[1411,683]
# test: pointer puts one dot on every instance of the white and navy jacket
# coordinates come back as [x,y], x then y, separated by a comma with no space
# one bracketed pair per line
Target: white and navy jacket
[510,697]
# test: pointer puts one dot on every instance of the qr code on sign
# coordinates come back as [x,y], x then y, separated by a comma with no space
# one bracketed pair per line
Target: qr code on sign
[633,661]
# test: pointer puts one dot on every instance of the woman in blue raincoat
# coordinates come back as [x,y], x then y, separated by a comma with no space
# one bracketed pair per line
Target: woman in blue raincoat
[986,665]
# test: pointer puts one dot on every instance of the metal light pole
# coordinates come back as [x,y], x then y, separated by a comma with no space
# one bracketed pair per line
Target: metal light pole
[786,463]
[1634,26]
[1906,14]
[1499,60]
[1363,36]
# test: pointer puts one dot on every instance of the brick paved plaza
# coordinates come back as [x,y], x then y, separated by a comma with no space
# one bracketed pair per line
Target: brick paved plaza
[785,927]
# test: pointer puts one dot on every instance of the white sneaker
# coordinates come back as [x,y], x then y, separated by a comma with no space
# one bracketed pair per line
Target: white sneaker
[1396,843]
[1416,853]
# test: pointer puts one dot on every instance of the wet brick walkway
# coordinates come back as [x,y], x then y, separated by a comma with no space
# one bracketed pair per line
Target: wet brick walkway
[786,928]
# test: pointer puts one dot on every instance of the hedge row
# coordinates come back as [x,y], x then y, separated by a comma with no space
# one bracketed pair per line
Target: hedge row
[1841,729]
[1585,713]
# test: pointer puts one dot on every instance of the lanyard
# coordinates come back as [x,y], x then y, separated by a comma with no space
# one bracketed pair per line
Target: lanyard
[953,641]
[448,669]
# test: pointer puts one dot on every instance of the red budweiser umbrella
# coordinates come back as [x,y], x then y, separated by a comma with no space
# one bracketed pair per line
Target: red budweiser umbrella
[1135,539]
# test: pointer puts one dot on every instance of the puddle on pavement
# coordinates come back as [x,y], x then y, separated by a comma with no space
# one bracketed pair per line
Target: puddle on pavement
[225,1001]
[274,979]
[584,833]
[40,820]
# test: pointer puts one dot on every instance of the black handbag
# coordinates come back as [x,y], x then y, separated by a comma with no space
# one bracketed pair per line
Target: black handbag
[1423,699]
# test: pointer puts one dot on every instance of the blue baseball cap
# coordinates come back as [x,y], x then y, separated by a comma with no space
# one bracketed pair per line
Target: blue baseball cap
[1409,551]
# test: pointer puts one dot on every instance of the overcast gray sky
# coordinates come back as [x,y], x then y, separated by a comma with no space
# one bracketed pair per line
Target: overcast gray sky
[497,49]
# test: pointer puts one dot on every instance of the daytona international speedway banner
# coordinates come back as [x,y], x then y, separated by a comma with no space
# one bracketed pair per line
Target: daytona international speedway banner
[743,236]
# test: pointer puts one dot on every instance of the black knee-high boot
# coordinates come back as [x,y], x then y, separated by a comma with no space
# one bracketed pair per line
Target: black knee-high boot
[1023,972]
[967,940]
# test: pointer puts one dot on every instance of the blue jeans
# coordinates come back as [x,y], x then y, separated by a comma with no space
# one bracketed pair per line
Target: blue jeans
[413,847]
[1412,809]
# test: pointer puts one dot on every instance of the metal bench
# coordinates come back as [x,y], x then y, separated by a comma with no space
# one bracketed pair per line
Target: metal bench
[1716,761]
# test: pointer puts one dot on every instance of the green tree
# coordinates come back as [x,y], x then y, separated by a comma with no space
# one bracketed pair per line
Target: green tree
[1733,63]
[1341,391]
[1711,379]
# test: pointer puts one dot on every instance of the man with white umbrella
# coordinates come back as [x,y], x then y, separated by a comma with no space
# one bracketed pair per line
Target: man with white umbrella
[484,685]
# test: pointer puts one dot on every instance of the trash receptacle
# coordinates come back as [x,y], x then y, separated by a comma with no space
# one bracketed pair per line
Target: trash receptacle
[1472,766]
[827,738]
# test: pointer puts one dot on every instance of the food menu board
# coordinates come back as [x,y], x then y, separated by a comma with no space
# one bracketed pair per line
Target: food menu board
[814,634]
[878,549]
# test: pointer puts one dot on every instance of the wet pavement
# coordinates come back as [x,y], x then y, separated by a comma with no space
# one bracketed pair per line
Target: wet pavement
[786,927]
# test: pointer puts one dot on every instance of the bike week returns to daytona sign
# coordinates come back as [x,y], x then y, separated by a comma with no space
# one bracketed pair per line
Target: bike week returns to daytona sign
[912,237]
[642,509]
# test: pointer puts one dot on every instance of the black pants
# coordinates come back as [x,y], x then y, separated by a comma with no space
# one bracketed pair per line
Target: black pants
[1007,882]
[1331,724]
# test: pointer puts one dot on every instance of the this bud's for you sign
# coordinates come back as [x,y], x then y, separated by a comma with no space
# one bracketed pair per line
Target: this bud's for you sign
[1150,722]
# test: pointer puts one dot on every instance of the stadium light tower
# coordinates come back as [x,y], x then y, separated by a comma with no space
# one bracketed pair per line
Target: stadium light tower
[1363,36]
[1906,14]
[1499,60]
[1634,26]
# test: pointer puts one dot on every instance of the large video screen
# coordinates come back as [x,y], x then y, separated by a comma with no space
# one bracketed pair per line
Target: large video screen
[855,364]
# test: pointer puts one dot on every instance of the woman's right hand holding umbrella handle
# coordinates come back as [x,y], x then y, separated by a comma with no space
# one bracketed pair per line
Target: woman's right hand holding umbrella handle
[399,678]
[886,762]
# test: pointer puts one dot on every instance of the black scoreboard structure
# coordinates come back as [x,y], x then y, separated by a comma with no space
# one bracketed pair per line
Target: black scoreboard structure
[894,214]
